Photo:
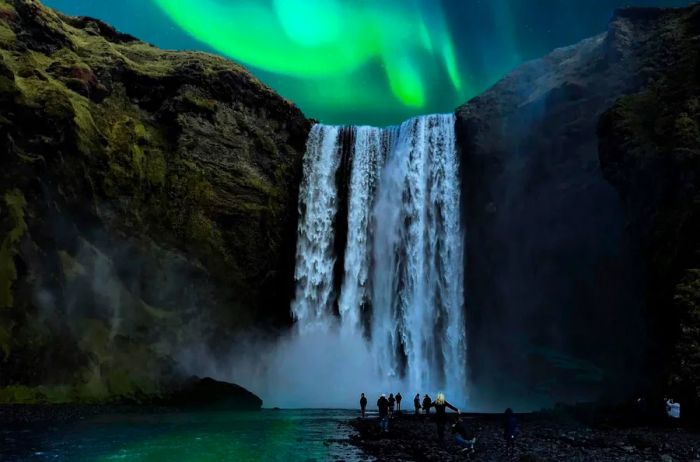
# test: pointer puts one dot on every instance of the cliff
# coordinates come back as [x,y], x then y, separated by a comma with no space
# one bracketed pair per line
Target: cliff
[147,203]
[557,278]
[650,151]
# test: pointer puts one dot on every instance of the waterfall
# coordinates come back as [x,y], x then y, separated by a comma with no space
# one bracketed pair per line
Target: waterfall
[401,285]
[318,205]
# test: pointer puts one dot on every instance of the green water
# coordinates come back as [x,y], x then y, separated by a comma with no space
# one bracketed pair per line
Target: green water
[287,435]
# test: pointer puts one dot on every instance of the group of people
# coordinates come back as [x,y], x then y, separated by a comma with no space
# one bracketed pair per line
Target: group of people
[464,436]
[387,403]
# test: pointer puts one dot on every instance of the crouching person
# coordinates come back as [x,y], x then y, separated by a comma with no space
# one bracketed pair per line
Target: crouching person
[464,437]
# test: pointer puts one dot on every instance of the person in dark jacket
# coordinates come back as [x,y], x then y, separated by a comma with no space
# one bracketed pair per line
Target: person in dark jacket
[363,405]
[398,402]
[392,401]
[416,403]
[464,437]
[426,404]
[383,408]
[441,406]
[510,429]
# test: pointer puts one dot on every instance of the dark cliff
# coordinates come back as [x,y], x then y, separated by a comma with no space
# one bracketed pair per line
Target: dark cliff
[650,151]
[556,280]
[147,202]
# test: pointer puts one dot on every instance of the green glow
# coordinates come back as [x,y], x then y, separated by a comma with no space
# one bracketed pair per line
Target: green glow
[330,40]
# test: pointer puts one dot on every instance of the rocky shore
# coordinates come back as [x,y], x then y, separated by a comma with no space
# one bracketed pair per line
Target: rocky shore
[542,437]
[194,393]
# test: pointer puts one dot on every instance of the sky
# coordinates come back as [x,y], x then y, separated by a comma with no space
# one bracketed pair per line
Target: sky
[374,62]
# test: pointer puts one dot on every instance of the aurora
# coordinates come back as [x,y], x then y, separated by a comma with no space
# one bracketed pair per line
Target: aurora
[320,39]
[360,61]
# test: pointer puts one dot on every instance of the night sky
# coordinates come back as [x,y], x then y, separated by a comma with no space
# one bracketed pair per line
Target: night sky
[365,61]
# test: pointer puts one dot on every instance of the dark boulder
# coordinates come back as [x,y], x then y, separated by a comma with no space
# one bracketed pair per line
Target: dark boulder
[210,393]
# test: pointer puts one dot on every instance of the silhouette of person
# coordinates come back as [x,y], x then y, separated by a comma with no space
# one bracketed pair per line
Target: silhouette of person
[510,429]
[441,406]
[398,402]
[426,404]
[383,408]
[363,405]
[416,403]
[464,437]
[392,400]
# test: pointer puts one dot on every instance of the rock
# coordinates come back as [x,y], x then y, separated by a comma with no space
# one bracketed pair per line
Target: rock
[148,203]
[209,393]
[658,178]
[541,212]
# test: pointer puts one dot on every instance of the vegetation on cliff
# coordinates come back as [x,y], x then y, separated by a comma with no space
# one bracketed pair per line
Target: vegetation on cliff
[650,151]
[147,203]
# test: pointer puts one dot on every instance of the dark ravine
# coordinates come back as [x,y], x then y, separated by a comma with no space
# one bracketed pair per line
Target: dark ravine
[147,203]
[556,280]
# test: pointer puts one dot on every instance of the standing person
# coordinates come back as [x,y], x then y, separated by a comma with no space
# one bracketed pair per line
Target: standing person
[441,406]
[363,405]
[426,404]
[416,403]
[398,401]
[392,400]
[383,408]
[510,429]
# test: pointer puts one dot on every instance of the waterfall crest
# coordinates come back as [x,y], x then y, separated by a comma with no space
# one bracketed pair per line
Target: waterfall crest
[401,288]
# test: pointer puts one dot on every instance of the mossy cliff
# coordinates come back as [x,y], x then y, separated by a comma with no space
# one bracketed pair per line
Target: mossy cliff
[650,151]
[147,203]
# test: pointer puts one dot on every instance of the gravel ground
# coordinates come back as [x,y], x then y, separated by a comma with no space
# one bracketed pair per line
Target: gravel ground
[541,437]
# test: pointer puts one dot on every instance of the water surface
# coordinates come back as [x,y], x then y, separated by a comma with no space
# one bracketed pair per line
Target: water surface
[285,435]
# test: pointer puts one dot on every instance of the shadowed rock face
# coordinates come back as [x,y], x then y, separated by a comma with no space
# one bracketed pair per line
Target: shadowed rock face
[147,202]
[650,151]
[555,281]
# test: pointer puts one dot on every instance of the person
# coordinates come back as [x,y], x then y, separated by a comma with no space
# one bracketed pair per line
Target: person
[426,404]
[392,400]
[398,401]
[416,403]
[510,429]
[441,405]
[673,409]
[383,407]
[363,405]
[464,437]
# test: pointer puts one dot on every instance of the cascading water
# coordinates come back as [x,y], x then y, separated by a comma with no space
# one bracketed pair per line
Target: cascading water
[401,286]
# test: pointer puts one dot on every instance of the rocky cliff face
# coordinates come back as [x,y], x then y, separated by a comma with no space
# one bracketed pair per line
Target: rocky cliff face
[556,280]
[650,151]
[147,201]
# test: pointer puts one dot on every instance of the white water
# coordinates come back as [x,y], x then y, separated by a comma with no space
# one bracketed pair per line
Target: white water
[314,266]
[400,304]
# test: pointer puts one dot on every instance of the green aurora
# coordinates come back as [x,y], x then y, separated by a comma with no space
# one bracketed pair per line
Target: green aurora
[329,42]
[365,61]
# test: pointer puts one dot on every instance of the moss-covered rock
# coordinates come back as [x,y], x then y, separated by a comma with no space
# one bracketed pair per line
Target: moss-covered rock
[147,203]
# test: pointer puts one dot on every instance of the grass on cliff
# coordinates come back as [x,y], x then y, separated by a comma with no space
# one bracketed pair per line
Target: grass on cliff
[15,204]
